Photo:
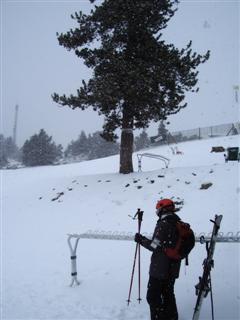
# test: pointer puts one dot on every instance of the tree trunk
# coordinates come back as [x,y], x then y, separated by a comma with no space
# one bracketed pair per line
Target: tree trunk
[126,147]
[126,150]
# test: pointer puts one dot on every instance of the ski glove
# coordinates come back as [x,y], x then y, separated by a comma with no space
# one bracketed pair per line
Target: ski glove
[138,238]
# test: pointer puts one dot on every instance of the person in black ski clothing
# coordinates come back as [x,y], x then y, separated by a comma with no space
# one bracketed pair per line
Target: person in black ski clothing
[163,270]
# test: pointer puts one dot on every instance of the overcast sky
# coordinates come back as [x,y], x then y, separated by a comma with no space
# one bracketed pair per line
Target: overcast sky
[33,66]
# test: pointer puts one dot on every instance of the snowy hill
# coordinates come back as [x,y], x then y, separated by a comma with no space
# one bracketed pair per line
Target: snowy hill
[40,206]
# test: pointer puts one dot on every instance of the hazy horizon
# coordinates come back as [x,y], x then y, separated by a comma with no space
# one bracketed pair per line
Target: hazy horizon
[34,66]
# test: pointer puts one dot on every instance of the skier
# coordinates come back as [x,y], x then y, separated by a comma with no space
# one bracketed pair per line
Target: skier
[163,270]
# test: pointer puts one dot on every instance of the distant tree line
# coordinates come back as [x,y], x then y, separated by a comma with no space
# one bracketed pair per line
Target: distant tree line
[8,150]
[90,147]
[94,146]
[40,149]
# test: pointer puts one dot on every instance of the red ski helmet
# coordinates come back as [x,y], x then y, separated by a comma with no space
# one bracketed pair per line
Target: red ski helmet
[165,205]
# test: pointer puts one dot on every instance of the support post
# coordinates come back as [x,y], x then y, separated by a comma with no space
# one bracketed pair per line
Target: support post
[139,156]
[73,257]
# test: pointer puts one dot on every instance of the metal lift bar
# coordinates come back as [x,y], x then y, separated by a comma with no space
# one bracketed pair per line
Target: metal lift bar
[151,155]
[123,237]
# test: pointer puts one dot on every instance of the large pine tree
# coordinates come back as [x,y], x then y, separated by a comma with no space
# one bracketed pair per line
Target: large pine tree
[137,77]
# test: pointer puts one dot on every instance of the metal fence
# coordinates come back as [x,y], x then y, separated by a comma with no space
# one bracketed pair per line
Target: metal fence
[197,134]
[206,132]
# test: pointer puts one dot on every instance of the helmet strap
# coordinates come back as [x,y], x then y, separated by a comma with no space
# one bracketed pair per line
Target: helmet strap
[164,215]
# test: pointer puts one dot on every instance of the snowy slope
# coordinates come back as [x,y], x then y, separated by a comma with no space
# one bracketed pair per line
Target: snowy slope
[93,196]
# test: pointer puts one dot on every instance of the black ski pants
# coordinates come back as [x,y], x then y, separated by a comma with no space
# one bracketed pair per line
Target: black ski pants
[161,299]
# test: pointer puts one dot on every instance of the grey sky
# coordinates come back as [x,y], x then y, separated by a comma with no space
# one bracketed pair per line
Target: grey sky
[33,66]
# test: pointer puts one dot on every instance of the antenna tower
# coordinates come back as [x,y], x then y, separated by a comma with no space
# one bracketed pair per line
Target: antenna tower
[15,124]
[236,90]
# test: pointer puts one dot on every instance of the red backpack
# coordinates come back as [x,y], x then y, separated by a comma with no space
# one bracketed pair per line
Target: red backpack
[184,244]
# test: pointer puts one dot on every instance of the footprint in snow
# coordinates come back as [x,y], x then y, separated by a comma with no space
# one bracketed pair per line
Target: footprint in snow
[60,194]
[205,186]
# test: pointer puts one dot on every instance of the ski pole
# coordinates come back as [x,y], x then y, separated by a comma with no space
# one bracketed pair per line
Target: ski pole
[212,305]
[139,214]
[133,269]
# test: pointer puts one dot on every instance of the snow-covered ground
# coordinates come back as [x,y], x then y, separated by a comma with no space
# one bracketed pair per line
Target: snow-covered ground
[92,195]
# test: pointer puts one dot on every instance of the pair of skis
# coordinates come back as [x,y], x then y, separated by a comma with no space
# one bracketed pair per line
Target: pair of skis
[205,284]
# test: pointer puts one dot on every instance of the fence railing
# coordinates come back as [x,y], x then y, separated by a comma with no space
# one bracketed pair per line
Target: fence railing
[73,240]
[199,133]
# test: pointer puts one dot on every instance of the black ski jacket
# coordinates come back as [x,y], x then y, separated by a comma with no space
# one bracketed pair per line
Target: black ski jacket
[164,235]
